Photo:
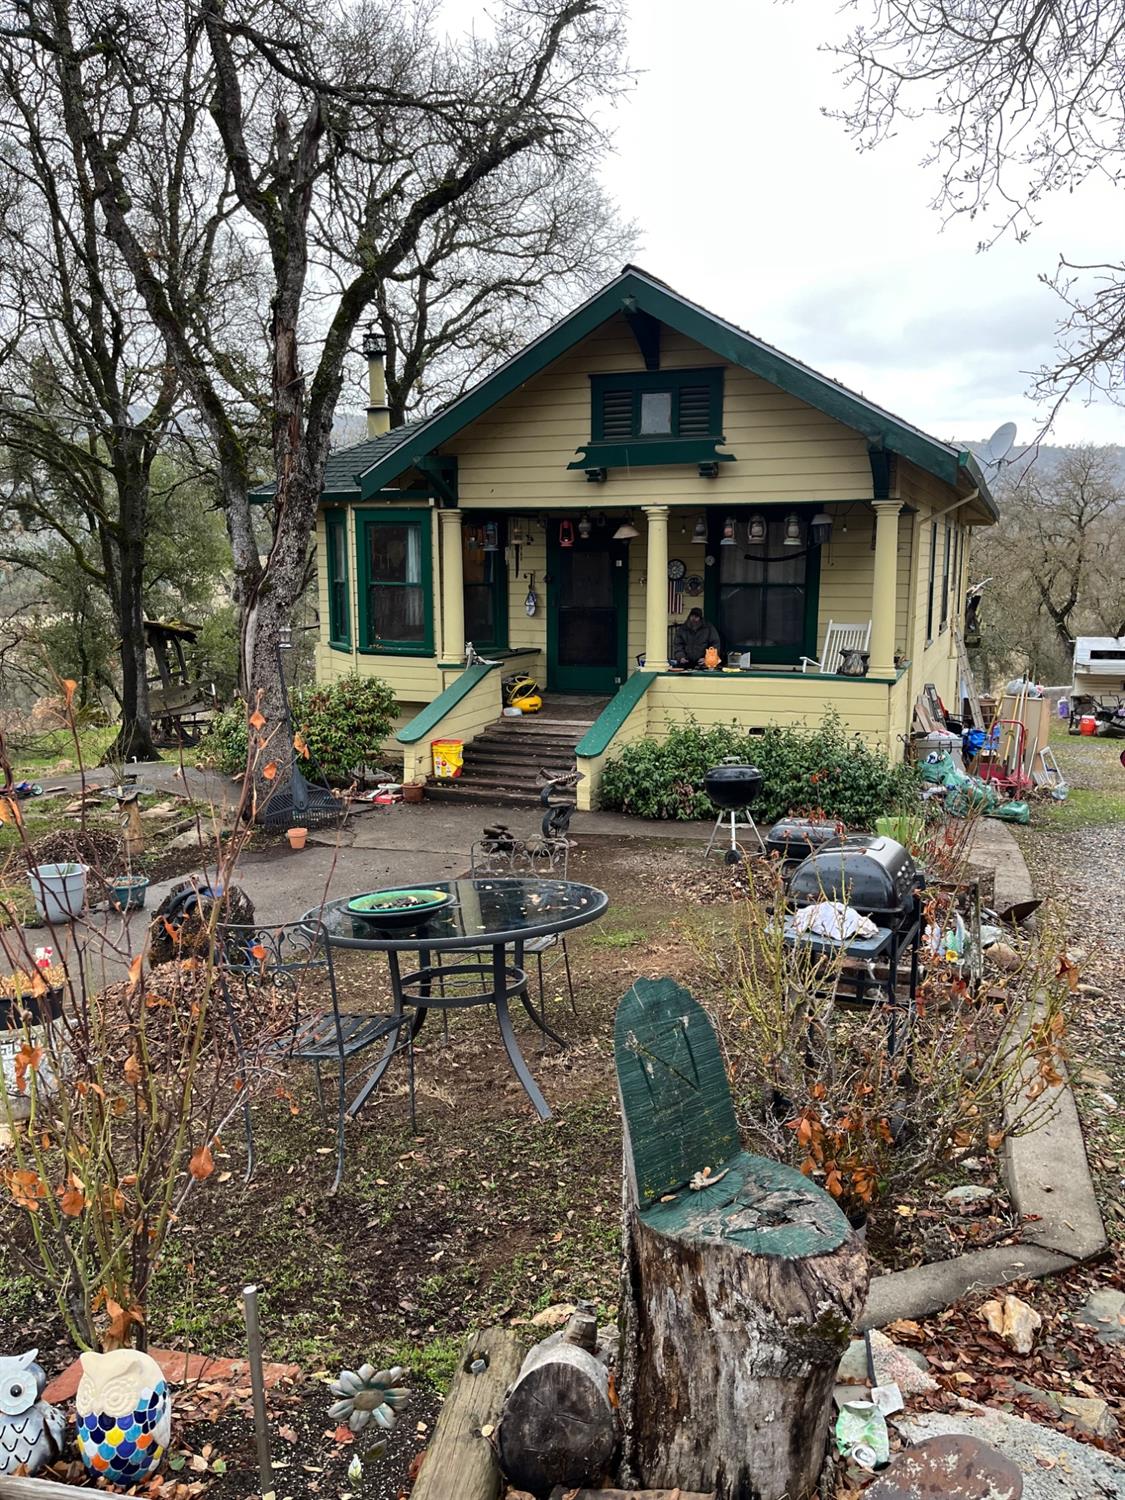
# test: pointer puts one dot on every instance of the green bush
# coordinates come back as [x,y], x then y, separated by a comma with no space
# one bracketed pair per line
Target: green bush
[223,747]
[803,770]
[344,724]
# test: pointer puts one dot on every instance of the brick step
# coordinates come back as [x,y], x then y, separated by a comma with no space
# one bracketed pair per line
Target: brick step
[462,790]
[518,761]
[525,778]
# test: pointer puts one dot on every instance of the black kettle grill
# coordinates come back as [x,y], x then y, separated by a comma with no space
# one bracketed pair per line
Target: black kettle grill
[732,788]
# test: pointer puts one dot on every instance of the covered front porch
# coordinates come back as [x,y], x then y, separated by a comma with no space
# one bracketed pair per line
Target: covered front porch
[609,589]
[598,593]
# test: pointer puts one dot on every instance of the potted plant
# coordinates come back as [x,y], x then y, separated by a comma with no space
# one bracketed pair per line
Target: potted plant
[128,892]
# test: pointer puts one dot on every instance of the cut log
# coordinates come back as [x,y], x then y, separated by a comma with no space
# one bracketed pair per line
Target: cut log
[12,1488]
[559,1425]
[459,1460]
[741,1279]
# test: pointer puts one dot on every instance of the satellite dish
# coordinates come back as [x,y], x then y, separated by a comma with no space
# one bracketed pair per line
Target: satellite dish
[999,445]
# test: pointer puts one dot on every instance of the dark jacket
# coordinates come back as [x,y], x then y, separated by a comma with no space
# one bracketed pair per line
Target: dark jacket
[691,641]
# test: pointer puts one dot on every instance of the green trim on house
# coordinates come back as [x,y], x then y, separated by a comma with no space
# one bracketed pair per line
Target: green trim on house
[339,621]
[641,453]
[601,732]
[364,521]
[635,290]
[782,675]
[431,716]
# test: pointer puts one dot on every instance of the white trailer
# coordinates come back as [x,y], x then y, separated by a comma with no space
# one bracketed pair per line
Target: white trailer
[1099,666]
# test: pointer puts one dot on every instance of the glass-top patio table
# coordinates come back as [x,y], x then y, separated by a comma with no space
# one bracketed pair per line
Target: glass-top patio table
[485,912]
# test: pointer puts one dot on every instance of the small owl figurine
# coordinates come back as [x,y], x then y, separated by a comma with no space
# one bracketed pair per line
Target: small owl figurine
[31,1431]
[124,1415]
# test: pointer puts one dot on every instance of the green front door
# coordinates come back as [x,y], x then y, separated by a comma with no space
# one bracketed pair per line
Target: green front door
[587,610]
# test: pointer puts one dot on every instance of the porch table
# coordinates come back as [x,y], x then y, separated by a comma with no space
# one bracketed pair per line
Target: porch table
[486,912]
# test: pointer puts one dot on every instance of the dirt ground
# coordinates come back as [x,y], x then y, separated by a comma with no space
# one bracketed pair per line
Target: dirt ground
[486,1216]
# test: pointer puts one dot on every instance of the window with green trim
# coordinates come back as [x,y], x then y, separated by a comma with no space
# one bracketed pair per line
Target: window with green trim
[657,405]
[339,601]
[396,582]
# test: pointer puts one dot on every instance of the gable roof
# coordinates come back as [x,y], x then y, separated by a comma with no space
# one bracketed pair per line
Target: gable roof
[885,432]
[344,466]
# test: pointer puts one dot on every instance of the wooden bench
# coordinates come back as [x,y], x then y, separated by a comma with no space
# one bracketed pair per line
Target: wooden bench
[740,1296]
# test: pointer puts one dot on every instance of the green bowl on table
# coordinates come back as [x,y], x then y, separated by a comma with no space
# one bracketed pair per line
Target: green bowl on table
[399,908]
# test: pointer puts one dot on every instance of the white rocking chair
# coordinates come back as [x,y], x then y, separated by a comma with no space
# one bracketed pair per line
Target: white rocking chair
[837,639]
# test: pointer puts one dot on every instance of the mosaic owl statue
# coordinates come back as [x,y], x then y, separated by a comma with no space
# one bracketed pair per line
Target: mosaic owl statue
[124,1415]
[31,1431]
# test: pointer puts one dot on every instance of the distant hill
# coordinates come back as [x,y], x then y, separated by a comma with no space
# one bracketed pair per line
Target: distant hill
[1045,457]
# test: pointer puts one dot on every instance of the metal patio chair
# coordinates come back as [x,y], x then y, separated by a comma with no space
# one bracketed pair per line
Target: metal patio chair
[545,859]
[290,959]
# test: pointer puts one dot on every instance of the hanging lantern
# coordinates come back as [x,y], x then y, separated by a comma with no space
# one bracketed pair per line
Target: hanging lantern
[585,525]
[491,536]
[626,532]
[566,533]
[821,528]
[756,531]
[727,538]
[792,537]
[699,532]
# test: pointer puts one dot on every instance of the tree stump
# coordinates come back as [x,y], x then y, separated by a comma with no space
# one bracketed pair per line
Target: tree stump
[559,1426]
[738,1298]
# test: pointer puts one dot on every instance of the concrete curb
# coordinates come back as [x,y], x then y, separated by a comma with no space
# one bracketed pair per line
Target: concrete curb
[1047,1173]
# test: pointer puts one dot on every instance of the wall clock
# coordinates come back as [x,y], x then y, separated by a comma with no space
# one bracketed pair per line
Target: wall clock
[676,569]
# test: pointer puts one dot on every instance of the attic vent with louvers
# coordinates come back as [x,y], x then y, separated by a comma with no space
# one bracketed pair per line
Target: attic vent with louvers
[655,417]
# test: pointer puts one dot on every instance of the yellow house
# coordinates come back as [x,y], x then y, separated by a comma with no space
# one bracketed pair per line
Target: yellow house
[641,458]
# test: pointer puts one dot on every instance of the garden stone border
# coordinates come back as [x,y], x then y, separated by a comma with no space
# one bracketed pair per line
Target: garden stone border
[1046,1172]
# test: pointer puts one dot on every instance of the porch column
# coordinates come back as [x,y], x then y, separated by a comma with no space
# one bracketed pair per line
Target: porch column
[656,589]
[452,587]
[884,595]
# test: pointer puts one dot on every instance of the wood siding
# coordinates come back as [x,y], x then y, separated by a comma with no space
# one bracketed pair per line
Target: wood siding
[516,455]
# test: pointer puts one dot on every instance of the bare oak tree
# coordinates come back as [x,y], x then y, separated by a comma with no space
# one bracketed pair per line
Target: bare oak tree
[1027,99]
[359,114]
[1055,561]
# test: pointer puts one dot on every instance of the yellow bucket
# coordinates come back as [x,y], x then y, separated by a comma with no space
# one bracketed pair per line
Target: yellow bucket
[449,756]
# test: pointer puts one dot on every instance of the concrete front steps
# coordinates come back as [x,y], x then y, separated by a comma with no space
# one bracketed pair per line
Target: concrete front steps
[502,764]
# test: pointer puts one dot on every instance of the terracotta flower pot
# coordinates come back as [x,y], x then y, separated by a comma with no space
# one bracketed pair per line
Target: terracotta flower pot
[413,791]
[296,837]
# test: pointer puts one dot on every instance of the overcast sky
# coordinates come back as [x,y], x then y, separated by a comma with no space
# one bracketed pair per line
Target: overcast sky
[751,202]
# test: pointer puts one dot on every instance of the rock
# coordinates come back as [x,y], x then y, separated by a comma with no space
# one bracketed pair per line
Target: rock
[162,810]
[186,840]
[1014,1321]
[1097,1077]
[967,1197]
[971,1164]
[1104,1311]
[892,1366]
[1090,1414]
[1054,1466]
[1004,956]
[1047,1399]
[554,1316]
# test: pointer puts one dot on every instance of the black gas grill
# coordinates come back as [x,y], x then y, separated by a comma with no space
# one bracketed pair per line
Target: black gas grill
[874,875]
[793,839]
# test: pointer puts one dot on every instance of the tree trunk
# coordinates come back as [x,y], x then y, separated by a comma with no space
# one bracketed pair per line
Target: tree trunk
[134,738]
[729,1360]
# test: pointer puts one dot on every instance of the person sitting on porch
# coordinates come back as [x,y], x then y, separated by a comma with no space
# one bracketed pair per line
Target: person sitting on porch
[692,638]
